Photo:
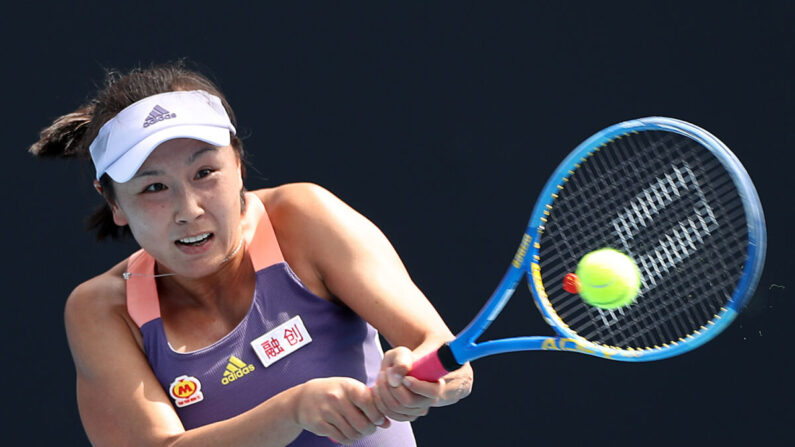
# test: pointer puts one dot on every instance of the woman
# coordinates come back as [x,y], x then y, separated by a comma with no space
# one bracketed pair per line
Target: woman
[247,318]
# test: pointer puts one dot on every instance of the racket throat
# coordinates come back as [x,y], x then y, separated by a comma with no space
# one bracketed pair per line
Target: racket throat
[447,358]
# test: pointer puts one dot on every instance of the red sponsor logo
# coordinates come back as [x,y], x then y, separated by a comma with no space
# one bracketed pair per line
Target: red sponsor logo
[186,390]
[272,347]
[293,335]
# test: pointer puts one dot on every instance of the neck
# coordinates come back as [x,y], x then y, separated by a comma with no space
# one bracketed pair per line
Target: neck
[228,289]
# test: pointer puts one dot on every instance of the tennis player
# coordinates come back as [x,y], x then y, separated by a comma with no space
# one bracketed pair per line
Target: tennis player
[247,318]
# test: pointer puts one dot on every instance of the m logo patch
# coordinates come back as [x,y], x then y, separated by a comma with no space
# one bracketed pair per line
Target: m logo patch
[186,390]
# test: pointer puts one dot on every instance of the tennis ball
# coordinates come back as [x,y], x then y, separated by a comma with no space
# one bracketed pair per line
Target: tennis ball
[609,278]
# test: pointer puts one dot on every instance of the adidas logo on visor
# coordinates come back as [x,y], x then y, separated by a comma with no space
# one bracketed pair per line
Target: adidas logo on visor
[158,114]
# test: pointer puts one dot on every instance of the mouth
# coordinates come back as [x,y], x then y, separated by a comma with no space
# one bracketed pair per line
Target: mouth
[195,241]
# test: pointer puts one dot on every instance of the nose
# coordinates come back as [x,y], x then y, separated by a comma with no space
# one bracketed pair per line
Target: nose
[188,206]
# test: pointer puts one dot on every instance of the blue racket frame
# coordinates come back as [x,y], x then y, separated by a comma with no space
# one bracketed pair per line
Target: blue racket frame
[465,347]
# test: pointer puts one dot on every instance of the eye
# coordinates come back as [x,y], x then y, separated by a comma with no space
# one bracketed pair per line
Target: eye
[204,172]
[154,187]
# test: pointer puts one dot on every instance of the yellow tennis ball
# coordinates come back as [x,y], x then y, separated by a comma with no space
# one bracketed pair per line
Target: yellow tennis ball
[609,278]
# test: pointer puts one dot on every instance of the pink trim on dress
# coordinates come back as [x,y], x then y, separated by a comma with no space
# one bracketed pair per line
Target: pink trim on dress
[142,302]
[263,247]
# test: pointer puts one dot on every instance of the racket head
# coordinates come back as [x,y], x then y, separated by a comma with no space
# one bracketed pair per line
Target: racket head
[678,201]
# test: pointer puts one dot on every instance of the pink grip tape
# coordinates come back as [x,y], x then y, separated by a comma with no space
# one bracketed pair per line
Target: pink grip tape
[429,368]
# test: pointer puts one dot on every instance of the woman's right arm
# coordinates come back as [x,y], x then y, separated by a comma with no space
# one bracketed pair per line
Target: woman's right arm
[122,403]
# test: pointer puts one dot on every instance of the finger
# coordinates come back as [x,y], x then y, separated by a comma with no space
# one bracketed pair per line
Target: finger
[387,404]
[398,364]
[409,404]
[431,390]
[403,402]
[414,393]
[383,399]
[414,407]
[364,400]
[408,400]
[358,420]
[330,431]
[347,431]
[377,391]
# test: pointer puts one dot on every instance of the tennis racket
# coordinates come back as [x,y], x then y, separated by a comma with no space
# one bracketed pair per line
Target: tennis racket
[663,191]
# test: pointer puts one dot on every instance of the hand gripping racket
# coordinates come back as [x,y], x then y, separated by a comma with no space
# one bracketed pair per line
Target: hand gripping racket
[663,191]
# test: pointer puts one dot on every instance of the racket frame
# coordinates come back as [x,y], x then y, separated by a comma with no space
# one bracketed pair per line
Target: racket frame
[525,262]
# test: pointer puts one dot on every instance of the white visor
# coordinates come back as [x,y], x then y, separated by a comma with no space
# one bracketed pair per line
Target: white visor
[124,142]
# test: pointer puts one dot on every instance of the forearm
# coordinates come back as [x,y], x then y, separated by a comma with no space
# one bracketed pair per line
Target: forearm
[273,423]
[340,408]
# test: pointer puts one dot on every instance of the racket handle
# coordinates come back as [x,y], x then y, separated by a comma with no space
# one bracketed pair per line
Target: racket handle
[435,365]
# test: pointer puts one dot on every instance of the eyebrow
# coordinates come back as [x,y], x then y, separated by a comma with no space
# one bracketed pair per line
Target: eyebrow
[145,173]
[191,159]
[196,154]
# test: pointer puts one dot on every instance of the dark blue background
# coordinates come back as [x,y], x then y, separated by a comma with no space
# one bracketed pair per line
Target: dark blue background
[440,122]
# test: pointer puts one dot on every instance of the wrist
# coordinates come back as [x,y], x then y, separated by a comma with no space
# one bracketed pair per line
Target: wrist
[292,404]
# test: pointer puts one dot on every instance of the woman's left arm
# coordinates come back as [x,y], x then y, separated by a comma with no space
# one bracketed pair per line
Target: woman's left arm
[354,262]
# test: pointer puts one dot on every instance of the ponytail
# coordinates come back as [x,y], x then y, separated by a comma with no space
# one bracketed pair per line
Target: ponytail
[63,138]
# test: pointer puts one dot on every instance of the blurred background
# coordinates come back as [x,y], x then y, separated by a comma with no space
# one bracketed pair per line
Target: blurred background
[440,121]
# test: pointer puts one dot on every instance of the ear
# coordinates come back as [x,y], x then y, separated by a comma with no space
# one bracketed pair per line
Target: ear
[241,167]
[119,218]
[241,171]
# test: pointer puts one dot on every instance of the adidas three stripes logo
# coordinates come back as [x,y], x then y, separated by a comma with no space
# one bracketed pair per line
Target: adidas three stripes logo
[235,369]
[158,114]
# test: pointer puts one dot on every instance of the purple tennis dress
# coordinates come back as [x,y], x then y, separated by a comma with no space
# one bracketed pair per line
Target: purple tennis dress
[288,337]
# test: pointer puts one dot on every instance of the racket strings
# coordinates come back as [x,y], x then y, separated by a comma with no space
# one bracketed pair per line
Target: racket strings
[683,309]
[670,204]
[641,210]
[598,200]
[666,318]
[690,312]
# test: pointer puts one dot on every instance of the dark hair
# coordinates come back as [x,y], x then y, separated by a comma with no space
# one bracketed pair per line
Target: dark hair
[70,135]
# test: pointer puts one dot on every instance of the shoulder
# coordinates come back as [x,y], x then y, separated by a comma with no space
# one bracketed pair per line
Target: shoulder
[107,290]
[306,209]
[99,301]
[298,198]
[316,230]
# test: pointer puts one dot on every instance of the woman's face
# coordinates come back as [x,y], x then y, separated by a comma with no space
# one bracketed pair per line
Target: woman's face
[183,205]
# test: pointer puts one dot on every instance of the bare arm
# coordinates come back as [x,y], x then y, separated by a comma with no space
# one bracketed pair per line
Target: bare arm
[122,403]
[352,260]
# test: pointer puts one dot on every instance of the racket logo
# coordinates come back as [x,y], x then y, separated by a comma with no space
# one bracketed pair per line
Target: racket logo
[572,345]
[518,259]
[535,272]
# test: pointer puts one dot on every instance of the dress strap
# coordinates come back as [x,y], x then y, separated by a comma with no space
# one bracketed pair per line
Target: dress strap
[263,247]
[142,302]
